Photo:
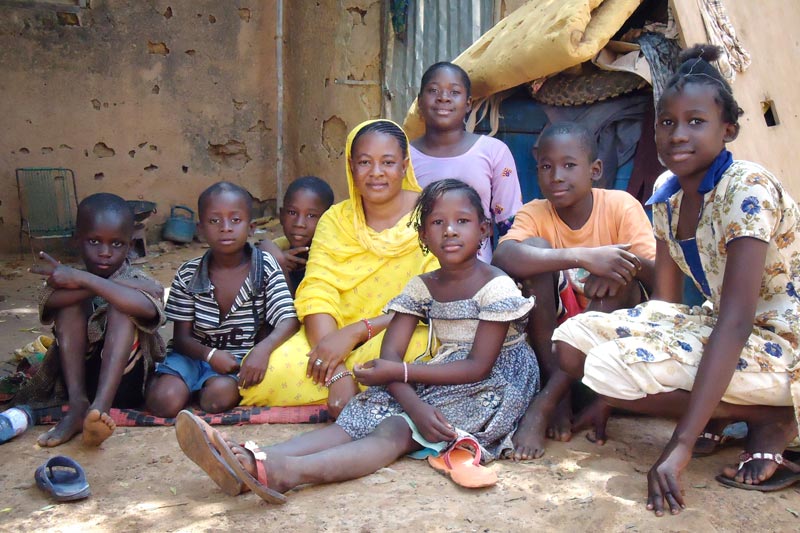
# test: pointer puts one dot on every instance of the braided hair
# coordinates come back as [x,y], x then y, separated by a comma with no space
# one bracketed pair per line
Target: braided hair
[695,67]
[434,191]
[386,127]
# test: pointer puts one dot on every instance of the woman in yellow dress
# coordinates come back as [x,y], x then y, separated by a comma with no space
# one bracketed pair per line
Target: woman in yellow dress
[363,254]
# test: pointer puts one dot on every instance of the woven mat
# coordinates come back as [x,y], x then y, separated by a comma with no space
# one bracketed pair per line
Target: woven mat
[306,414]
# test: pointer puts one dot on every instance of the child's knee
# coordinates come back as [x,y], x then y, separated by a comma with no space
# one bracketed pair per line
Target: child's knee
[570,360]
[118,321]
[219,394]
[166,396]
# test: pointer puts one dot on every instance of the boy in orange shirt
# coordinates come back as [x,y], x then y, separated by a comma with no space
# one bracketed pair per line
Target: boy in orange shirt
[579,248]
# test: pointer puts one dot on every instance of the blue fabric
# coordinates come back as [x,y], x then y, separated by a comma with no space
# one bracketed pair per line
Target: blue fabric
[692,256]
[428,448]
[710,180]
[193,372]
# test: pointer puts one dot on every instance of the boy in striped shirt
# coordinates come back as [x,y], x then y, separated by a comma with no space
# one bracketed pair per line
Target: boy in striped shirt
[231,308]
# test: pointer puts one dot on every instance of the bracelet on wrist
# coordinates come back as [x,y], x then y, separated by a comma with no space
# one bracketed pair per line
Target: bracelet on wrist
[405,372]
[210,354]
[369,328]
[337,377]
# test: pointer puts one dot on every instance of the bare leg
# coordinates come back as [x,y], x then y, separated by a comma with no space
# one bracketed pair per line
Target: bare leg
[350,460]
[219,394]
[311,442]
[70,334]
[120,332]
[167,395]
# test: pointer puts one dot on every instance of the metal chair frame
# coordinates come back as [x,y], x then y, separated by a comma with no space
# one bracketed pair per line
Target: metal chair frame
[55,189]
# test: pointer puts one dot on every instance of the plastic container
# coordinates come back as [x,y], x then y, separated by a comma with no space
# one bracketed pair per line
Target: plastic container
[179,227]
[15,421]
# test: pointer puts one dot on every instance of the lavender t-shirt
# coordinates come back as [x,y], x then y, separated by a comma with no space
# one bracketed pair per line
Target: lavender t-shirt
[489,168]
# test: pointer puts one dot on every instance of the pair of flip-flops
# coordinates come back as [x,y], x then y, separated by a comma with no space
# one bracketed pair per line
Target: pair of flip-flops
[787,474]
[63,479]
[461,462]
[208,449]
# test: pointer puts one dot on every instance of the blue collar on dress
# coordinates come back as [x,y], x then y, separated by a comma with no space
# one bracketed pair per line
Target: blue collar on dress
[710,180]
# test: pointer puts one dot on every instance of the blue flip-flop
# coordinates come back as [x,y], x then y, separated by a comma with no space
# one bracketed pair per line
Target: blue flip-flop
[63,478]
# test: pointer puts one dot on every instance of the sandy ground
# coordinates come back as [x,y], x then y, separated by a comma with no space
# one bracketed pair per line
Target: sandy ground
[141,481]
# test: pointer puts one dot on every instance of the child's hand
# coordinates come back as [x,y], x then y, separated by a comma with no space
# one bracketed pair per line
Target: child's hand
[614,262]
[378,372]
[58,276]
[596,287]
[139,284]
[293,258]
[253,369]
[664,479]
[224,362]
[431,423]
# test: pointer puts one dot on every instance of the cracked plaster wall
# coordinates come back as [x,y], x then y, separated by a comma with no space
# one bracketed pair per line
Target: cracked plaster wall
[157,100]
[149,100]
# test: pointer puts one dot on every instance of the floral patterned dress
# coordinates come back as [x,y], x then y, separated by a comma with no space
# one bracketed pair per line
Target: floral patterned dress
[627,350]
[488,409]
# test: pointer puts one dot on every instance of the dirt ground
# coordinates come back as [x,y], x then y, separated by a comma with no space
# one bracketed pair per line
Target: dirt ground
[141,481]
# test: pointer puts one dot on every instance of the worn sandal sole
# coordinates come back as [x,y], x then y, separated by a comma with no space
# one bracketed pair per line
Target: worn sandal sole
[265,493]
[194,442]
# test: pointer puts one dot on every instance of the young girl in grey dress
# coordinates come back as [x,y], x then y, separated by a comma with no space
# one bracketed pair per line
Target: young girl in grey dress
[479,381]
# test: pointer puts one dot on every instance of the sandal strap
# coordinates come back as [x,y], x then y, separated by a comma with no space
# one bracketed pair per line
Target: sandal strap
[467,442]
[777,458]
[711,436]
[260,456]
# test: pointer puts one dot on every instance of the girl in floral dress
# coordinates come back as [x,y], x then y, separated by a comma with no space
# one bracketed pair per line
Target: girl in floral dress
[479,381]
[732,227]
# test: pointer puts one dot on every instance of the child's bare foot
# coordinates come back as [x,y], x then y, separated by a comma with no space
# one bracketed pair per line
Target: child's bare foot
[97,427]
[529,438]
[67,427]
[274,465]
[595,417]
[769,436]
[560,426]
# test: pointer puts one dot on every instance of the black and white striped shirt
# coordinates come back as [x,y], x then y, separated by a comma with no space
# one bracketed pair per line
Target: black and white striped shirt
[263,297]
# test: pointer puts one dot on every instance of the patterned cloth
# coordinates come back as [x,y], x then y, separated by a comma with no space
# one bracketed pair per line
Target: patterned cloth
[488,409]
[627,350]
[489,168]
[720,32]
[352,272]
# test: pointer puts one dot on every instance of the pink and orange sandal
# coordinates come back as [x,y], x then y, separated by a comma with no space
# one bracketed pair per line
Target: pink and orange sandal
[465,469]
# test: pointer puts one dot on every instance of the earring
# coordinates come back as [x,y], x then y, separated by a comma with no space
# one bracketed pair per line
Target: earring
[423,247]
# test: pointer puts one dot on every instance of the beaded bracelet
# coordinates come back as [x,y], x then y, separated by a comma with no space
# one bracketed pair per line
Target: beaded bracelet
[210,355]
[369,328]
[337,377]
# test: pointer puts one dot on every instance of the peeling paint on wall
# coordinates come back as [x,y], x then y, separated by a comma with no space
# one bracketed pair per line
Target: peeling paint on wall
[102,150]
[334,135]
[232,154]
[157,48]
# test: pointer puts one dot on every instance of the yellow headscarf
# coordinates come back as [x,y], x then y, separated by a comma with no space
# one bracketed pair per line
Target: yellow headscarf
[349,257]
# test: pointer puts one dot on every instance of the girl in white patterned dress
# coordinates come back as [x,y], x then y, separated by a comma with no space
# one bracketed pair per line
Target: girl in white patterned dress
[732,227]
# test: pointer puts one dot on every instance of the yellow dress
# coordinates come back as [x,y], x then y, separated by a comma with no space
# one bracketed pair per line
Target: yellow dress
[352,273]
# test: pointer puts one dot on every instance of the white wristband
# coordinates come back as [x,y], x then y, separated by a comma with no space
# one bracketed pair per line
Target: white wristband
[210,355]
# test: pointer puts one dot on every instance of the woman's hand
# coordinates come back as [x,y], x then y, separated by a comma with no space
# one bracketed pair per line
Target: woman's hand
[378,372]
[224,362]
[431,423]
[664,479]
[331,350]
[254,368]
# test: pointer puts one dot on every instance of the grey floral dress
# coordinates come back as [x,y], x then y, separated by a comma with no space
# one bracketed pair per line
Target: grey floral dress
[489,409]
